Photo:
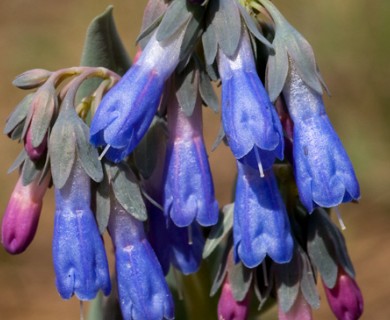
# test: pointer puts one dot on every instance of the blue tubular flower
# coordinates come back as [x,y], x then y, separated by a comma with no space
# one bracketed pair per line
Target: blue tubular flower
[248,116]
[143,292]
[261,226]
[80,261]
[182,247]
[188,187]
[126,111]
[324,173]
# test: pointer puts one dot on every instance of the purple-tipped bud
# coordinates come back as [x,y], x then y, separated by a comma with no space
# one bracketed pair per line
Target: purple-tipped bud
[261,226]
[229,308]
[345,299]
[188,188]
[34,153]
[21,217]
[143,292]
[323,171]
[300,310]
[248,116]
[127,110]
[80,261]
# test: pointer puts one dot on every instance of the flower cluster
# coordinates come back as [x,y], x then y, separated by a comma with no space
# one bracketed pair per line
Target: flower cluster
[151,186]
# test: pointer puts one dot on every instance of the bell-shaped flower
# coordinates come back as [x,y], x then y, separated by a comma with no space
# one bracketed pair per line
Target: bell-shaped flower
[249,119]
[143,291]
[300,310]
[261,226]
[188,186]
[345,299]
[80,260]
[182,247]
[229,308]
[21,216]
[323,170]
[127,110]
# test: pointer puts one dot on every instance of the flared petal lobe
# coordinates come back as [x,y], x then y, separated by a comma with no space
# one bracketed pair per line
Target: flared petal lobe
[324,173]
[80,260]
[127,110]
[21,217]
[188,188]
[143,292]
[261,226]
[248,116]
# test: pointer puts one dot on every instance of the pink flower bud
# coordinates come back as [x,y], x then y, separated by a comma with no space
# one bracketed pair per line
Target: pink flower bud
[34,153]
[229,308]
[345,299]
[300,310]
[21,217]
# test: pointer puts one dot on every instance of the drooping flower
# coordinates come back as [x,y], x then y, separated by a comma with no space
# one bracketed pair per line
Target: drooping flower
[80,260]
[21,216]
[300,310]
[261,226]
[143,292]
[188,185]
[345,299]
[323,170]
[127,110]
[248,116]
[182,247]
[229,308]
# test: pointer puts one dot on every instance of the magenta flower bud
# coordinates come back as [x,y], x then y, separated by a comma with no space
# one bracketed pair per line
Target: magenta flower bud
[21,217]
[34,153]
[300,310]
[345,299]
[229,308]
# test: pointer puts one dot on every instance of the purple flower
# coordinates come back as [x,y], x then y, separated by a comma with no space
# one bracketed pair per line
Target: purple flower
[324,173]
[34,153]
[127,110]
[229,308]
[80,261]
[143,292]
[261,226]
[248,116]
[188,187]
[182,247]
[300,310]
[21,217]
[345,299]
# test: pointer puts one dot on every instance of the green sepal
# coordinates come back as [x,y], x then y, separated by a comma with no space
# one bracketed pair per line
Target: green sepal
[240,279]
[31,79]
[18,161]
[176,16]
[207,92]
[210,44]
[287,280]
[19,114]
[103,203]
[62,147]
[308,284]
[220,230]
[126,190]
[320,248]
[43,106]
[262,288]
[31,170]
[227,25]
[187,86]
[221,273]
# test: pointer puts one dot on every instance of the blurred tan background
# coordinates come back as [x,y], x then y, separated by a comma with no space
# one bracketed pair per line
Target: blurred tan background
[351,39]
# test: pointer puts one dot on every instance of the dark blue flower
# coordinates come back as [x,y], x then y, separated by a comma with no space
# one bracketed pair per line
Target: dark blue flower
[80,261]
[248,116]
[127,110]
[324,173]
[188,185]
[143,292]
[261,226]
[182,247]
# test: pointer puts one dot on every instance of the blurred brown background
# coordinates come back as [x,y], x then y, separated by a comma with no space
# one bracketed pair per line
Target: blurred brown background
[351,39]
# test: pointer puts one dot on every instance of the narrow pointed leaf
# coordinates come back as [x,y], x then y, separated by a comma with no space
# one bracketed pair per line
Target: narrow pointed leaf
[19,114]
